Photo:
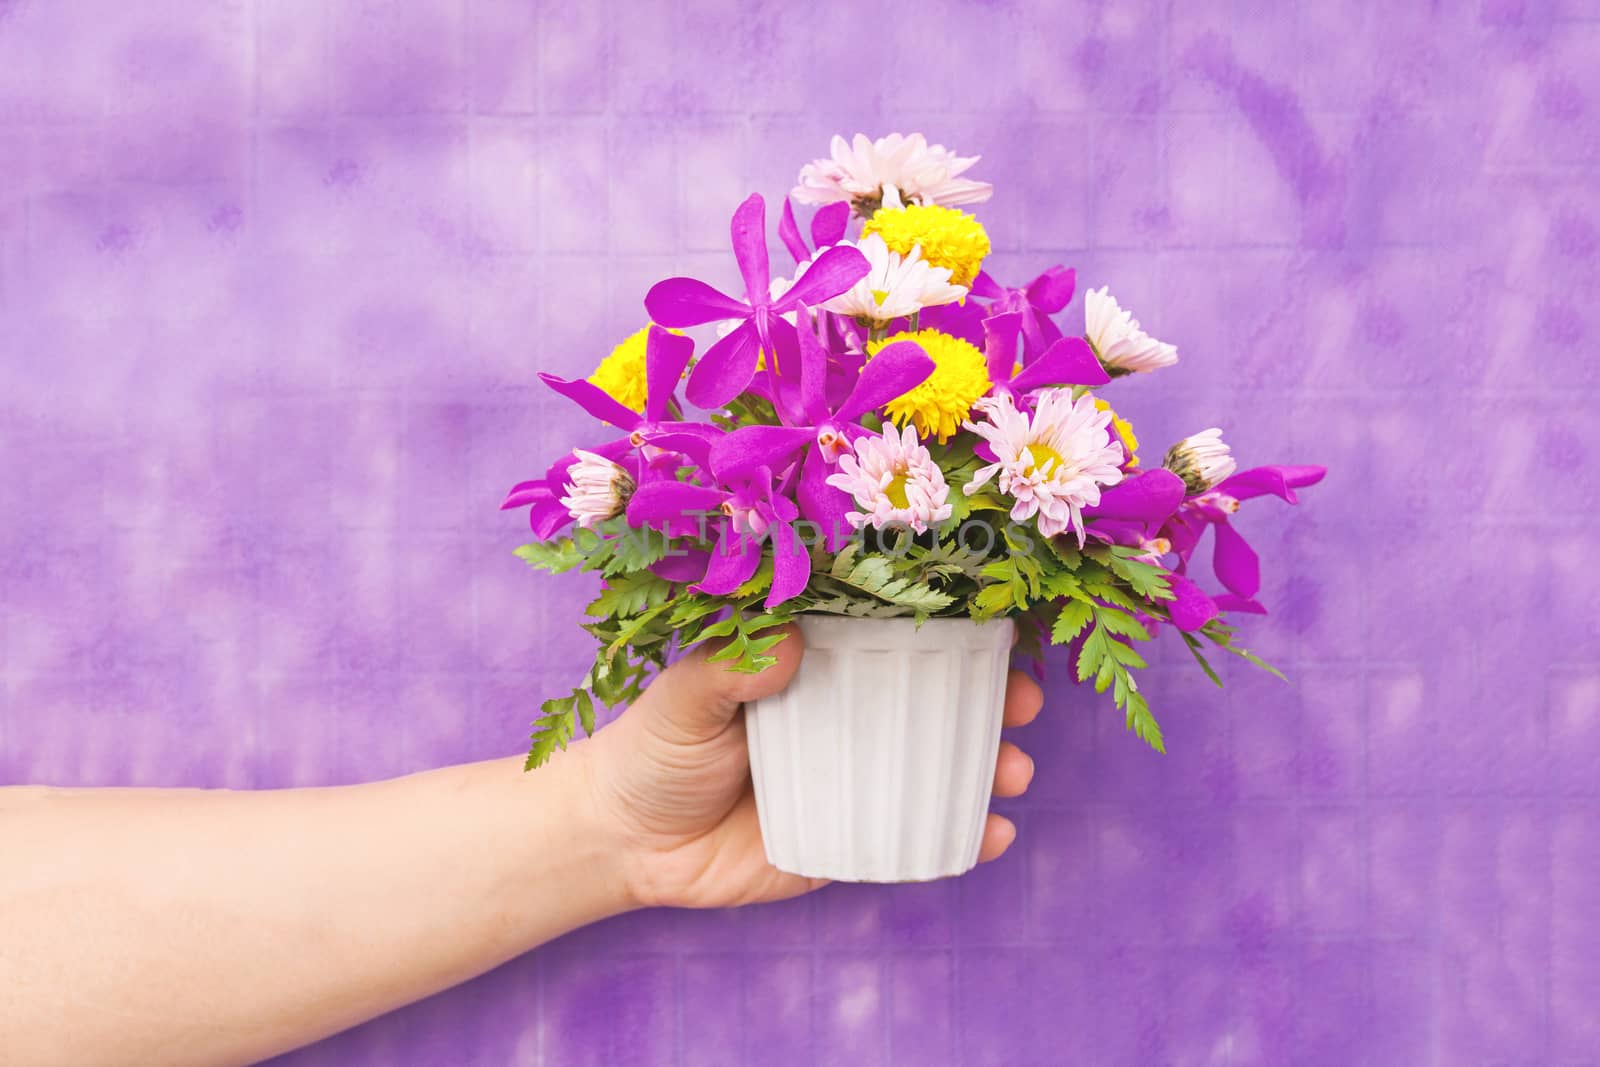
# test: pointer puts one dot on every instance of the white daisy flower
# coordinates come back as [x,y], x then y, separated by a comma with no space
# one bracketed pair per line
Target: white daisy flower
[892,170]
[1202,460]
[1122,346]
[598,489]
[1052,464]
[895,286]
[894,481]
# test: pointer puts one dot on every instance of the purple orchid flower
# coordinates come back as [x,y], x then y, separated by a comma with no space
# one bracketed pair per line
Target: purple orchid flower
[823,429]
[827,228]
[1234,562]
[728,366]
[1035,302]
[547,516]
[1126,514]
[751,512]
[960,318]
[1068,360]
[665,357]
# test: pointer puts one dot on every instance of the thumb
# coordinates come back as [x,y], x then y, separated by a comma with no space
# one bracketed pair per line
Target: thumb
[695,699]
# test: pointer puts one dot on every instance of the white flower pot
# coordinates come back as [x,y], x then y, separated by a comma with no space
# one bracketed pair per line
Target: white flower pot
[876,763]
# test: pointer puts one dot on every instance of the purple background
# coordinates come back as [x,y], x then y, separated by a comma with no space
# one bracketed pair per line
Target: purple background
[275,280]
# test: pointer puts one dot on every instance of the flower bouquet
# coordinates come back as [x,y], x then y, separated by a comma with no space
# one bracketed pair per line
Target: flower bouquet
[913,462]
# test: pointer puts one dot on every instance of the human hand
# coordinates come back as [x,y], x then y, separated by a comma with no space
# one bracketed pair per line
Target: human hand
[672,781]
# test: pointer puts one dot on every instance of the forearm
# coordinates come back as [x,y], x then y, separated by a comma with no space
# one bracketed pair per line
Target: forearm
[202,927]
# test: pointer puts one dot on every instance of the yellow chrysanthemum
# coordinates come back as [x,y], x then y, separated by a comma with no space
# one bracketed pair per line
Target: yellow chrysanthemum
[621,374]
[942,402]
[948,237]
[1124,429]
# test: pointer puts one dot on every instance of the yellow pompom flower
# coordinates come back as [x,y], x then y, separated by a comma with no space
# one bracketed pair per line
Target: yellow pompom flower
[943,401]
[621,374]
[948,237]
[1124,429]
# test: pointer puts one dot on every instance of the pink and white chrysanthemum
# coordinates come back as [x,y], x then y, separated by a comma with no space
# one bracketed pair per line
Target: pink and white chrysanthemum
[895,482]
[894,170]
[1202,460]
[1052,464]
[1118,339]
[597,489]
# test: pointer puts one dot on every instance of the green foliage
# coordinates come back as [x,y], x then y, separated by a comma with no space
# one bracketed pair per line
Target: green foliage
[1102,599]
[892,583]
[1221,635]
[1110,660]
[553,729]
[1075,615]
[629,594]
[554,556]
[1145,579]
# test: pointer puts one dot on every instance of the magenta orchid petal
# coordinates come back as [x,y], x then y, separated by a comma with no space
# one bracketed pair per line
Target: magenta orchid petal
[725,369]
[781,378]
[593,399]
[759,483]
[742,451]
[749,232]
[1230,602]
[791,564]
[1036,301]
[894,371]
[831,273]
[1190,608]
[698,429]
[1148,497]
[1069,361]
[732,563]
[813,406]
[1278,480]
[963,319]
[1000,333]
[548,517]
[984,287]
[1117,531]
[1183,533]
[697,447]
[663,501]
[1299,477]
[1052,290]
[679,302]
[682,566]
[781,506]
[823,504]
[665,357]
[1039,332]
[828,224]
[789,234]
[1236,564]
[524,493]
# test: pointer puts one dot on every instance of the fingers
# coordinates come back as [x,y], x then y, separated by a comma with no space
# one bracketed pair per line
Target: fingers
[998,833]
[1013,770]
[698,697]
[1024,698]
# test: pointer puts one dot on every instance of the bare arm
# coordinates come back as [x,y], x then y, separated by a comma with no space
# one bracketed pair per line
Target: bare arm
[195,927]
[204,927]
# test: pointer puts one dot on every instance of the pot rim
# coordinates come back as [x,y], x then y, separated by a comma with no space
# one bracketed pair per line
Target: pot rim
[822,622]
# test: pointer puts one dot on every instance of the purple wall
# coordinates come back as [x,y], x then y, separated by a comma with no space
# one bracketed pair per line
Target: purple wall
[275,280]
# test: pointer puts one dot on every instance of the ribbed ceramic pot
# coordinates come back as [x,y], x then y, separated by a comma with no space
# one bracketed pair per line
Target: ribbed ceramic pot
[875,764]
